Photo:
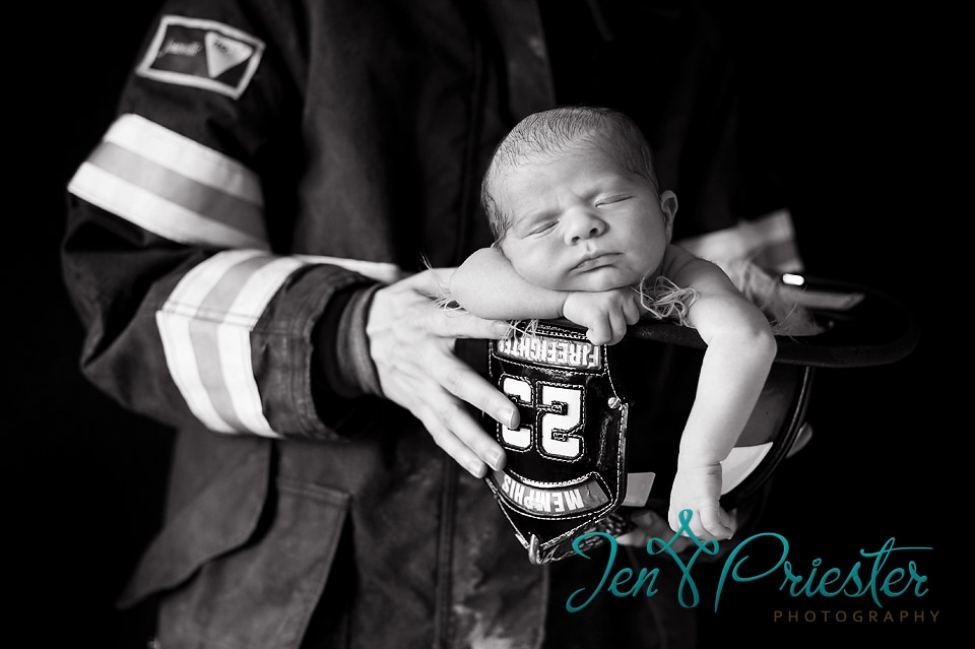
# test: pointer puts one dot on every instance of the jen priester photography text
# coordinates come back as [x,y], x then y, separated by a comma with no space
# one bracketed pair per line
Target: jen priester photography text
[886,573]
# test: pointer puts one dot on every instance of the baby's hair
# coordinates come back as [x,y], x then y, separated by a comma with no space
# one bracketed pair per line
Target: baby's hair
[557,131]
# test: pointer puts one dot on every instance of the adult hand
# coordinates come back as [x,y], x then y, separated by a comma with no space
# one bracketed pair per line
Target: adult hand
[411,341]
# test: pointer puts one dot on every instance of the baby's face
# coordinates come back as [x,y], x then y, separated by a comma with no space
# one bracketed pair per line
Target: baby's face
[580,222]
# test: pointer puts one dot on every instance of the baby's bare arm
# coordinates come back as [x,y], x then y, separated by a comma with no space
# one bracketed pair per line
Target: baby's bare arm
[487,285]
[739,355]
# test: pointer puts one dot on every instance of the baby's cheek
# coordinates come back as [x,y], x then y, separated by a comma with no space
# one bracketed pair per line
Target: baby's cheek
[540,268]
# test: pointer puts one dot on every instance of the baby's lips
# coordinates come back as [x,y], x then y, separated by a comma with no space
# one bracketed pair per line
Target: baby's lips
[595,260]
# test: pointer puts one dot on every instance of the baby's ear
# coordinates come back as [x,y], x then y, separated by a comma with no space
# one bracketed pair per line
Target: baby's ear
[668,207]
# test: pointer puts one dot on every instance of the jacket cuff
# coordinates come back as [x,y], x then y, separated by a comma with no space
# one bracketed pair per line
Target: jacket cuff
[287,355]
[342,361]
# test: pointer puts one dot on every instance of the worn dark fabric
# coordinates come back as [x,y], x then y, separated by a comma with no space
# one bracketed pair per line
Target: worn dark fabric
[369,125]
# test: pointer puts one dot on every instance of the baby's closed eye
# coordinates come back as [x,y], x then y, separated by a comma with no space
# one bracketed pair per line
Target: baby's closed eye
[611,200]
[543,227]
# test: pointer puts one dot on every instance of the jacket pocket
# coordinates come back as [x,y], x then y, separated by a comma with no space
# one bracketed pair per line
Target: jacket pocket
[261,594]
[220,516]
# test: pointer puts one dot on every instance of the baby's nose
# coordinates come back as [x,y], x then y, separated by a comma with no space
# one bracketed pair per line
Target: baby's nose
[583,225]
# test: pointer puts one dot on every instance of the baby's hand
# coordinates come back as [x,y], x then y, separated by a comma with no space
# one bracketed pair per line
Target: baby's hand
[698,488]
[605,313]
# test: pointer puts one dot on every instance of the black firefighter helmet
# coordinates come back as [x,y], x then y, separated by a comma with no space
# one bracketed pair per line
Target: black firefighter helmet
[601,425]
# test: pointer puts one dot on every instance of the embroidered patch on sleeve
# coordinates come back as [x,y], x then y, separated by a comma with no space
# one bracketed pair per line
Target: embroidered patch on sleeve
[202,54]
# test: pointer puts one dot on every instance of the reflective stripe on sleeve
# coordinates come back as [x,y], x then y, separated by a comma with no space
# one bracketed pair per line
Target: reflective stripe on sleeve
[380,271]
[768,242]
[205,327]
[172,186]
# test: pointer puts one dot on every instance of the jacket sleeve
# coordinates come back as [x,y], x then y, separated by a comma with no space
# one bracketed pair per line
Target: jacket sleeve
[180,224]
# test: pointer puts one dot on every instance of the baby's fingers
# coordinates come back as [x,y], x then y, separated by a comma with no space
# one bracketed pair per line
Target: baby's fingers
[716,523]
[631,310]
[600,332]
[618,321]
[695,526]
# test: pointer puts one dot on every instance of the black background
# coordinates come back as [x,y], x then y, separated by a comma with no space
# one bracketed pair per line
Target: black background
[850,105]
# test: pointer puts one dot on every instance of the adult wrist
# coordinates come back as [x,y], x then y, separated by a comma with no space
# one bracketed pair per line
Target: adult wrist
[341,357]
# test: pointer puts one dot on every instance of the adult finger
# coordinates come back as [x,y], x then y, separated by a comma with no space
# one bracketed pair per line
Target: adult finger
[453,324]
[432,283]
[446,418]
[460,380]
[451,443]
